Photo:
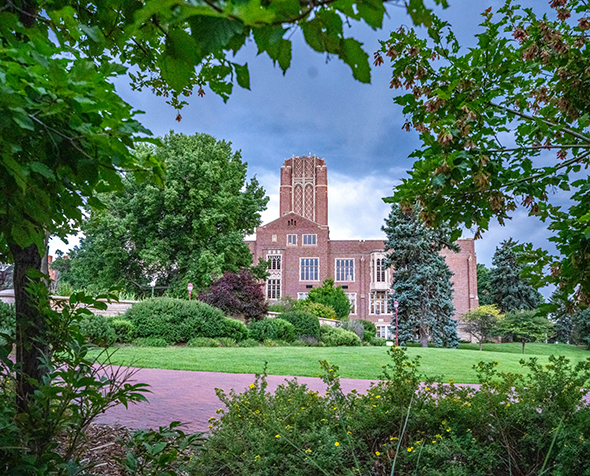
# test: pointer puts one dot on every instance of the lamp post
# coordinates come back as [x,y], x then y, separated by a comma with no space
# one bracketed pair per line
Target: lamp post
[395,305]
[190,290]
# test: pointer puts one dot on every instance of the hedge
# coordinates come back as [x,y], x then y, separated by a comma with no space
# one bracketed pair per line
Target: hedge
[305,324]
[274,329]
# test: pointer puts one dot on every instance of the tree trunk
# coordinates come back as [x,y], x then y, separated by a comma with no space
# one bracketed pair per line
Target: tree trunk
[523,343]
[423,337]
[480,343]
[31,342]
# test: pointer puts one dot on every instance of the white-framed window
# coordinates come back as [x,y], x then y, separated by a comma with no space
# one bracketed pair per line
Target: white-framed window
[345,270]
[274,262]
[310,240]
[352,298]
[302,296]
[309,269]
[378,302]
[380,270]
[383,331]
[292,240]
[273,289]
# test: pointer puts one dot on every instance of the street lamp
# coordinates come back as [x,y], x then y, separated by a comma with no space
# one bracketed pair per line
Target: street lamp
[395,305]
[190,290]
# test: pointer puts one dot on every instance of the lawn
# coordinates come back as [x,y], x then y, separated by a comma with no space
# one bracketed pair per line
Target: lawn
[354,362]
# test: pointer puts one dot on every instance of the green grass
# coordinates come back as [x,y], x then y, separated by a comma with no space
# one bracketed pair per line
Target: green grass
[354,362]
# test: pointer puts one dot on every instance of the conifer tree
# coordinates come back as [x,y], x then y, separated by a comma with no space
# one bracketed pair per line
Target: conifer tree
[509,291]
[422,280]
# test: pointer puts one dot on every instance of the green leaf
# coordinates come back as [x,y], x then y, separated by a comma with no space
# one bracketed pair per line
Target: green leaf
[372,12]
[355,57]
[42,169]
[179,59]
[212,34]
[242,75]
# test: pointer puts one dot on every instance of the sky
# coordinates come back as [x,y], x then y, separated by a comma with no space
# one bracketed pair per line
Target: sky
[318,108]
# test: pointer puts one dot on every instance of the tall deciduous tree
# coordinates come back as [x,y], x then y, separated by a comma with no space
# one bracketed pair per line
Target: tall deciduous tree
[190,230]
[510,292]
[503,123]
[422,279]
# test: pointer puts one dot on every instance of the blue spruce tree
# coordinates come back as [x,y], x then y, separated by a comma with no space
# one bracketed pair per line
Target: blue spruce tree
[422,280]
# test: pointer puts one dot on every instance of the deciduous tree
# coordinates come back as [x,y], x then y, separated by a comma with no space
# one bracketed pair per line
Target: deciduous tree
[422,280]
[525,326]
[190,230]
[502,124]
[482,322]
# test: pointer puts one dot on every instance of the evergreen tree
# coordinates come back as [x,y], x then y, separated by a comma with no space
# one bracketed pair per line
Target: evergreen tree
[422,280]
[509,291]
[484,291]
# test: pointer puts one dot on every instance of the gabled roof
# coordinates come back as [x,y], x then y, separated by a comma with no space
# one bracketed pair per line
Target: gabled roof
[281,222]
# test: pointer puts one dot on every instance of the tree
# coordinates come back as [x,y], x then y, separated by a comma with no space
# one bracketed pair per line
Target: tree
[237,295]
[66,134]
[581,327]
[482,322]
[484,291]
[502,123]
[422,280]
[525,326]
[190,230]
[509,291]
[332,296]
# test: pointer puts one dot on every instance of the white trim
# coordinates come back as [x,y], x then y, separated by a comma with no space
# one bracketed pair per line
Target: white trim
[288,238]
[318,269]
[353,312]
[307,235]
[336,280]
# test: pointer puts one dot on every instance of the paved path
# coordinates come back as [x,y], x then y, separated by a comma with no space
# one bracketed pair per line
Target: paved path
[189,397]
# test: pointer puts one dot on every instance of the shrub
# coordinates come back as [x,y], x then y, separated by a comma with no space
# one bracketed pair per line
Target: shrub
[305,324]
[176,320]
[226,342]
[316,308]
[271,343]
[235,329]
[325,331]
[535,421]
[378,341]
[339,336]
[248,343]
[276,329]
[237,294]
[98,330]
[309,341]
[370,330]
[124,330]
[202,342]
[7,319]
[331,296]
[150,342]
[354,326]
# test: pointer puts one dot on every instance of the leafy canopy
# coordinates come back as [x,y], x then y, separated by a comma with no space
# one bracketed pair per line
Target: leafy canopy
[503,124]
[421,280]
[482,322]
[190,230]
[525,326]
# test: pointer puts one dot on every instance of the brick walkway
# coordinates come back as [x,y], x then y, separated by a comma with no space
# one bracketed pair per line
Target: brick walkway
[189,397]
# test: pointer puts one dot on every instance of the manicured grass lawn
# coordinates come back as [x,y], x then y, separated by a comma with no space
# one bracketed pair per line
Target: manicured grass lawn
[354,362]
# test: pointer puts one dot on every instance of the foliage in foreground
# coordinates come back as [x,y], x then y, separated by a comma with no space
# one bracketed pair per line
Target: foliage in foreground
[74,390]
[515,424]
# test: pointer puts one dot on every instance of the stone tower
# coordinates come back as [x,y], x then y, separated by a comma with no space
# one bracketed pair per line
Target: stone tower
[304,188]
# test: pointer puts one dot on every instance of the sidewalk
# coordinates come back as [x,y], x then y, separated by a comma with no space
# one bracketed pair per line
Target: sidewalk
[189,397]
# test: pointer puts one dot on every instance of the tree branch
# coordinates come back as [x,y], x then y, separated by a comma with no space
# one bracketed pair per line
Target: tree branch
[549,123]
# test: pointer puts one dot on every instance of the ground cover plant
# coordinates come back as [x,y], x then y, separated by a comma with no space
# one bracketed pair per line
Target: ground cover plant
[354,362]
[530,423]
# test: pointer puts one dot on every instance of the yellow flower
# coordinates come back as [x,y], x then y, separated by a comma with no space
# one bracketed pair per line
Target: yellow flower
[428,389]
[508,404]
[378,396]
[438,436]
[336,444]
[444,422]
[252,385]
[377,453]
[323,419]
[210,426]
[374,406]
[277,436]
[434,441]
[256,457]
[393,438]
[303,408]
[448,429]
[348,432]
[308,450]
[410,449]
[335,408]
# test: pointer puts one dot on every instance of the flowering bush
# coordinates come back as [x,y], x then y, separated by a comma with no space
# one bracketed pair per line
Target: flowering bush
[515,424]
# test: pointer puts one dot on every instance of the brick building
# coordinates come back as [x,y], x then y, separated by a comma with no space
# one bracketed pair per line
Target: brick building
[302,255]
